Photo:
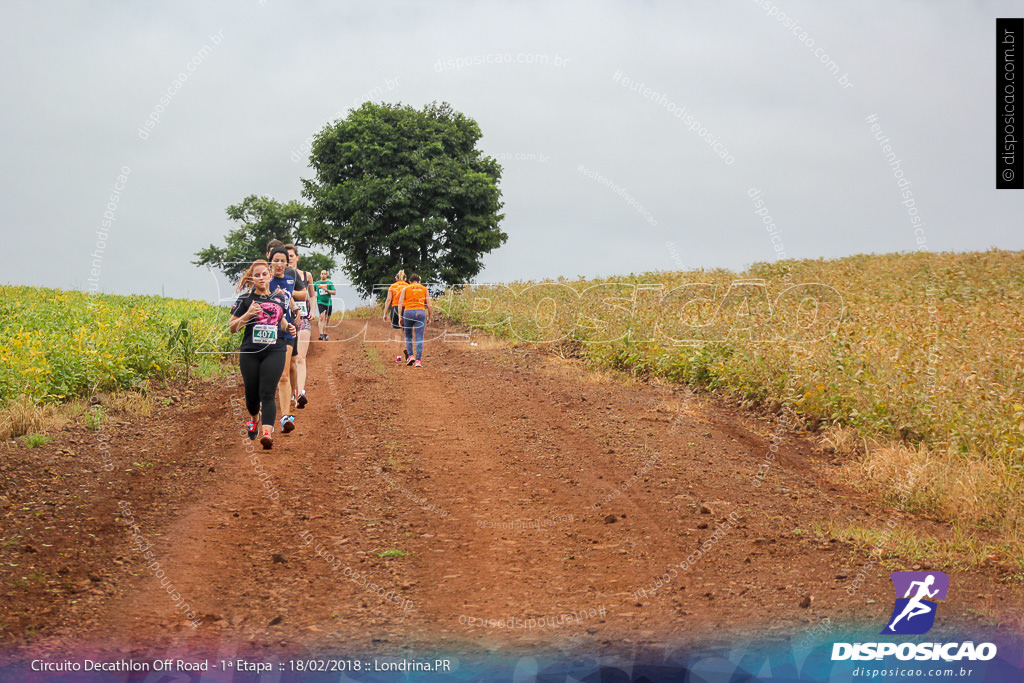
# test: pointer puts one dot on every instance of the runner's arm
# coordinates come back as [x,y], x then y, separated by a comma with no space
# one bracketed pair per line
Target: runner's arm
[401,304]
[237,322]
[311,295]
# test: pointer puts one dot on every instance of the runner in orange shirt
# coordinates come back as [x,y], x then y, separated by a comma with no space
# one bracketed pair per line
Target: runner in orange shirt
[391,307]
[416,309]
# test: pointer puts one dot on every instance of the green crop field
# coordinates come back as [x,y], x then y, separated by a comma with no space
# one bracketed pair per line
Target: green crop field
[60,345]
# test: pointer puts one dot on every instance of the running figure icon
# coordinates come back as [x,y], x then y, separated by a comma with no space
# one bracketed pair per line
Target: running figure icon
[917,597]
[915,607]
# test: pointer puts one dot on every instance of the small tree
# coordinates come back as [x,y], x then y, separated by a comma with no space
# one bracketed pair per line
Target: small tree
[263,219]
[398,188]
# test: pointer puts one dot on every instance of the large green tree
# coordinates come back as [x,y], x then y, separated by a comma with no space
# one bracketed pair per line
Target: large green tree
[262,219]
[400,188]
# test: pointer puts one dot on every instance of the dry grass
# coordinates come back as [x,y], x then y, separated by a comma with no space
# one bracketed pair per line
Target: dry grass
[486,342]
[690,405]
[132,404]
[943,483]
[844,441]
[24,416]
[573,370]
[361,312]
[983,499]
[982,493]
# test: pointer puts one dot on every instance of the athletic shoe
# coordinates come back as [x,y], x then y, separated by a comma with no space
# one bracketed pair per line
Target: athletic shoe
[267,440]
[417,364]
[252,428]
[287,423]
[326,338]
[302,400]
[410,361]
[398,359]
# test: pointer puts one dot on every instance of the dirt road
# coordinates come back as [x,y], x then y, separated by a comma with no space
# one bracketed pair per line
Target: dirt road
[497,499]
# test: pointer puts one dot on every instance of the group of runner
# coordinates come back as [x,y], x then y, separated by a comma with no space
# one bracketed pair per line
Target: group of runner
[409,307]
[275,310]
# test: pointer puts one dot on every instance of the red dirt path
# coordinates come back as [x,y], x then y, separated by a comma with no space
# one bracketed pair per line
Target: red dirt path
[481,471]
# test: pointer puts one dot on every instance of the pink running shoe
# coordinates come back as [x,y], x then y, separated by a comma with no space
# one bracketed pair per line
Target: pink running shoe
[417,364]
[398,359]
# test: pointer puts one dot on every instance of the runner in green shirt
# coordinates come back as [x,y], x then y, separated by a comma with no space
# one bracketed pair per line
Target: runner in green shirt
[324,289]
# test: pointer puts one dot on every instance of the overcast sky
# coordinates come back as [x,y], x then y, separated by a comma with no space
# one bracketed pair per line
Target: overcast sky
[589,107]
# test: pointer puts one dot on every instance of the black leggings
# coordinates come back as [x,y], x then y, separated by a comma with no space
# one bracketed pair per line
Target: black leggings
[261,371]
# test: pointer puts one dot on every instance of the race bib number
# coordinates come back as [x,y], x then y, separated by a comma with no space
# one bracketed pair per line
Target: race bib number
[302,308]
[264,334]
